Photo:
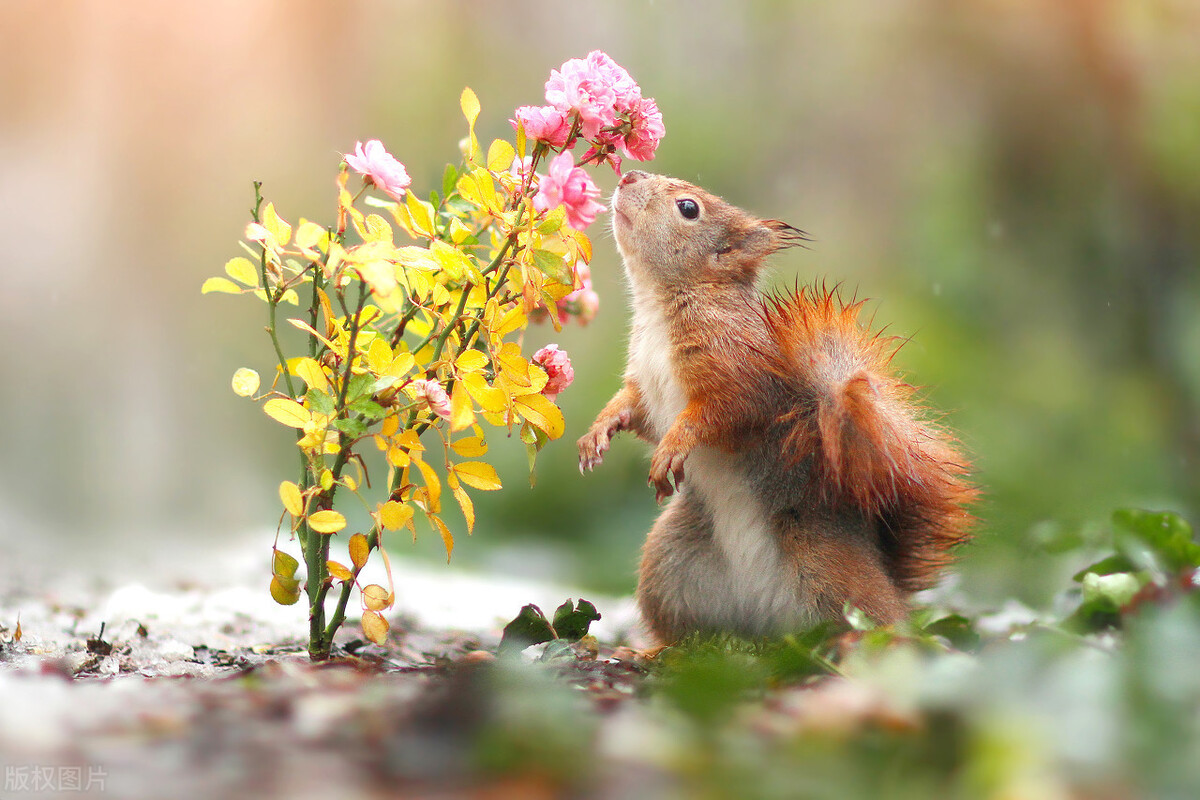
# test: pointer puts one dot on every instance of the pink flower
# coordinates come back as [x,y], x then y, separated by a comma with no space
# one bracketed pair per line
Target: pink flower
[648,130]
[585,88]
[583,302]
[568,185]
[544,123]
[559,372]
[626,92]
[432,393]
[377,166]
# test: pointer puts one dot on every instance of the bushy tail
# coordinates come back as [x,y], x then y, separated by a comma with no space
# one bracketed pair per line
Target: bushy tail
[869,443]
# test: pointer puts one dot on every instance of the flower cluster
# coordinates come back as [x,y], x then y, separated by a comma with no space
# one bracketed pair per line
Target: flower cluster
[595,98]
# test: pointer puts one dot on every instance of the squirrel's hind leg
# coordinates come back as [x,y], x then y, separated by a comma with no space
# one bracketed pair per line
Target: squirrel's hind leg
[839,563]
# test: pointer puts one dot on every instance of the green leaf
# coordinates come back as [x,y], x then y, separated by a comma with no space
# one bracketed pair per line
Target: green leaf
[320,402]
[529,627]
[958,630]
[362,385]
[449,180]
[353,428]
[571,622]
[368,408]
[1159,541]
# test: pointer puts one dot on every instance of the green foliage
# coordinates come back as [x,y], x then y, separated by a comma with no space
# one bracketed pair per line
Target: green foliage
[530,626]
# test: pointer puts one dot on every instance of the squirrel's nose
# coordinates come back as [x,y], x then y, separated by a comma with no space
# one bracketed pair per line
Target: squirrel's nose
[633,176]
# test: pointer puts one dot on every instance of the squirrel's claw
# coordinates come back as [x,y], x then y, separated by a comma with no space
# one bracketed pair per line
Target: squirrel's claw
[662,466]
[594,444]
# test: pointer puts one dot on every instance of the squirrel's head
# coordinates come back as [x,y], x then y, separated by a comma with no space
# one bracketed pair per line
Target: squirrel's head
[673,233]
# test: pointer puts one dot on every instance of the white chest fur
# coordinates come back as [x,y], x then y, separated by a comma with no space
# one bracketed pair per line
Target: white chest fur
[650,365]
[744,585]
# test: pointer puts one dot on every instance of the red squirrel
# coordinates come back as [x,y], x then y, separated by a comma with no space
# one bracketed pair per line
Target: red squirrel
[805,476]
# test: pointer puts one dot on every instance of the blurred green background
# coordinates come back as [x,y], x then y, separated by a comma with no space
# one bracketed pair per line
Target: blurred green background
[1015,183]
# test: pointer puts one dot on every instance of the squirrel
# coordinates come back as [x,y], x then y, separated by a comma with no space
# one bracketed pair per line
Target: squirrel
[805,475]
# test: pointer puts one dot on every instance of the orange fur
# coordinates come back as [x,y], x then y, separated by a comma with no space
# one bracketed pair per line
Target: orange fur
[860,422]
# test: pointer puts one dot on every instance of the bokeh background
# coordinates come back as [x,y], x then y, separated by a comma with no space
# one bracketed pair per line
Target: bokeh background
[1016,183]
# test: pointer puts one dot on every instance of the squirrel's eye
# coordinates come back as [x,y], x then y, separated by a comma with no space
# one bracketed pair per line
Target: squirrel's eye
[688,207]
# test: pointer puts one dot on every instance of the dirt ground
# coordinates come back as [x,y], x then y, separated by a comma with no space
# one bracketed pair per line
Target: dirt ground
[169,685]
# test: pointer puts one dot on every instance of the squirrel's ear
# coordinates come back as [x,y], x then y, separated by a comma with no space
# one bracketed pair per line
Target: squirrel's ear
[785,235]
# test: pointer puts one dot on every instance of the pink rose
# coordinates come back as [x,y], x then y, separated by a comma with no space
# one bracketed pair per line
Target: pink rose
[568,185]
[586,89]
[583,302]
[377,166]
[432,393]
[557,364]
[648,130]
[544,123]
[626,92]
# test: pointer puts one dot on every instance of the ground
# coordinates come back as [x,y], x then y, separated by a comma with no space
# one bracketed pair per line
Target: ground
[124,689]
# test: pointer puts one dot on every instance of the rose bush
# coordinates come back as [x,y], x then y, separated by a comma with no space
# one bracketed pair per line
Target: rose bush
[411,316]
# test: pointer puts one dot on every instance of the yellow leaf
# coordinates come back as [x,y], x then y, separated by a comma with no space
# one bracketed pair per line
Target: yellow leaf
[444,531]
[409,440]
[245,382]
[292,499]
[377,229]
[309,329]
[284,566]
[311,373]
[220,285]
[327,521]
[289,412]
[375,597]
[309,235]
[515,318]
[488,397]
[339,571]
[468,508]
[374,626]
[478,474]
[400,365]
[241,270]
[471,361]
[422,213]
[432,483]
[379,355]
[458,231]
[394,515]
[500,156]
[470,104]
[461,413]
[359,550]
[284,595]
[470,447]
[470,109]
[543,414]
[278,229]
[514,366]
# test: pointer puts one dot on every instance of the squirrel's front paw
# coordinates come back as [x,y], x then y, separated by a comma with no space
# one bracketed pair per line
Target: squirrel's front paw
[666,462]
[594,443]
